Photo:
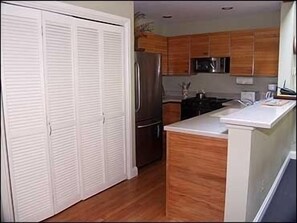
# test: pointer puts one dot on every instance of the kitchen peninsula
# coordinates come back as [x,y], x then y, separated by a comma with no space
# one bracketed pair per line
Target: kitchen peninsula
[221,165]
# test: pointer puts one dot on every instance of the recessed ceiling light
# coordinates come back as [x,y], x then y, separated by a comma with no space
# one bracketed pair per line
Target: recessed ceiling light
[227,8]
[167,16]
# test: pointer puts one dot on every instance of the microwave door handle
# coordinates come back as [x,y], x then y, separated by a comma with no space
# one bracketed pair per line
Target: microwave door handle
[212,66]
[138,86]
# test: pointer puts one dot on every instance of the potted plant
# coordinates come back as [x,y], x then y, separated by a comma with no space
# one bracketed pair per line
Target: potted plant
[140,28]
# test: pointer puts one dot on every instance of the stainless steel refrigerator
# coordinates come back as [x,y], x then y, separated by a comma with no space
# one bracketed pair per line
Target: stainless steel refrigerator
[148,92]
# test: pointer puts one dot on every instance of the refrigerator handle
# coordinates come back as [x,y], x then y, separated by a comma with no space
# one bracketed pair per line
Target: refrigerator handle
[148,125]
[158,131]
[138,86]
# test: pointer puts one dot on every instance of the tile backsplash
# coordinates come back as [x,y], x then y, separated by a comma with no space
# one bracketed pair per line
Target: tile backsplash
[215,84]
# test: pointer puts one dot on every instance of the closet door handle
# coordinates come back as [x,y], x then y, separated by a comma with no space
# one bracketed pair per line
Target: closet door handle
[50,127]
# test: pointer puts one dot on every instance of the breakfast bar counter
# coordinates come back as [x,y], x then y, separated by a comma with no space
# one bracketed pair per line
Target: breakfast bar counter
[222,165]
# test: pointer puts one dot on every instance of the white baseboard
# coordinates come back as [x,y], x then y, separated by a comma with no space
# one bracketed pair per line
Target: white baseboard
[133,173]
[292,155]
[272,190]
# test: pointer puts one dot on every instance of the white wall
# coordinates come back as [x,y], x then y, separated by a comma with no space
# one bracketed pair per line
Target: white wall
[287,60]
[255,157]
[120,8]
[227,24]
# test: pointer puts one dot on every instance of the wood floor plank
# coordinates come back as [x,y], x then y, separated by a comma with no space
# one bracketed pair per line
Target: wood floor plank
[139,199]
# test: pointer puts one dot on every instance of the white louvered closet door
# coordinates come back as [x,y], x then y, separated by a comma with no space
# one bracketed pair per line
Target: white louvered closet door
[88,41]
[114,103]
[24,110]
[58,35]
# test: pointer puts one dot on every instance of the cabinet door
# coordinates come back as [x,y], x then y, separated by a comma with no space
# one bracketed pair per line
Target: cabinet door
[199,46]
[154,43]
[171,113]
[266,52]
[25,115]
[219,44]
[89,105]
[59,73]
[178,55]
[242,53]
[113,97]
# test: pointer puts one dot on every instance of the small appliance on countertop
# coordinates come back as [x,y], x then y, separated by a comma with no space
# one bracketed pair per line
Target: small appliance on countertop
[250,96]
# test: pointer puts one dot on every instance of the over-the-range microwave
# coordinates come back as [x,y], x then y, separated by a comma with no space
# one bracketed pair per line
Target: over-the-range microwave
[210,65]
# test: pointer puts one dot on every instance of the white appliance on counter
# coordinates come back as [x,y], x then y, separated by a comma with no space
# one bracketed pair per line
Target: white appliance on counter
[249,96]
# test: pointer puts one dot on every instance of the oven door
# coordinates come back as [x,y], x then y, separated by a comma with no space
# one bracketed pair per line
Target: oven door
[189,108]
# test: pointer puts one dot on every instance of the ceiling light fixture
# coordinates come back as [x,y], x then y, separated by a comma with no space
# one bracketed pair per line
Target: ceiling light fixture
[167,16]
[227,8]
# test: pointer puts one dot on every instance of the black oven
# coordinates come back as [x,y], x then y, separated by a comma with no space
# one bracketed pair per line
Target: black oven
[195,106]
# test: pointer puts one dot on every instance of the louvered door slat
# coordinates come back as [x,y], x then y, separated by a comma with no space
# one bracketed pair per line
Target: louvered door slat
[113,71]
[114,132]
[89,107]
[113,104]
[58,48]
[24,108]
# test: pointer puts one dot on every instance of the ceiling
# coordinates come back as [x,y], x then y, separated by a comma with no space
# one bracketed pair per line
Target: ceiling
[187,11]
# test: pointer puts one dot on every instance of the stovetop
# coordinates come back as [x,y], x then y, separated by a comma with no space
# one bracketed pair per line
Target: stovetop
[194,106]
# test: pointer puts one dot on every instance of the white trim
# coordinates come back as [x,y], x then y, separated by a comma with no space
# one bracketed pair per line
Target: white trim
[133,173]
[67,9]
[272,190]
[292,155]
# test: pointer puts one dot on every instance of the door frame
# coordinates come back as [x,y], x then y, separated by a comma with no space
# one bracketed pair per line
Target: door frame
[71,10]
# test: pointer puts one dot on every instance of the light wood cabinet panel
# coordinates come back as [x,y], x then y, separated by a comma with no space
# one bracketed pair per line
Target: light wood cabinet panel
[178,55]
[219,44]
[266,52]
[199,45]
[242,53]
[171,113]
[154,43]
[195,177]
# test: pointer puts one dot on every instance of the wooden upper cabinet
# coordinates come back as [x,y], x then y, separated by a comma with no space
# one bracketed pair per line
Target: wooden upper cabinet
[178,55]
[219,44]
[199,45]
[241,53]
[266,52]
[154,43]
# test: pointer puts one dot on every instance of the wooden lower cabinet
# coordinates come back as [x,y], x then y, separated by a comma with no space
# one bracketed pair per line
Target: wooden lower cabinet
[171,112]
[195,177]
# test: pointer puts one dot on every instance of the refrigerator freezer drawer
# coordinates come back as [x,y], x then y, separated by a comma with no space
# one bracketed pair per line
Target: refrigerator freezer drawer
[149,136]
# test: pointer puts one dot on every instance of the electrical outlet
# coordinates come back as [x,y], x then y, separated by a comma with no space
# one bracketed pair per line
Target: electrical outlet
[262,186]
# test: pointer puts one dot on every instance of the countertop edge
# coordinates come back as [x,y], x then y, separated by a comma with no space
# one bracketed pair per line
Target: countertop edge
[266,125]
[195,132]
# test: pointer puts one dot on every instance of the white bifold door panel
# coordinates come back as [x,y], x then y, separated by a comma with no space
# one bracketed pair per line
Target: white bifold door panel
[58,43]
[64,109]
[89,103]
[114,104]
[25,114]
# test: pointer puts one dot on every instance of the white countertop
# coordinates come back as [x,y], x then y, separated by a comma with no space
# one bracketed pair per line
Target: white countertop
[205,124]
[259,115]
[170,98]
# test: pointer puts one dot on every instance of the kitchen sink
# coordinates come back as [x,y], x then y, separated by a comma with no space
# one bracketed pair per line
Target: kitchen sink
[225,112]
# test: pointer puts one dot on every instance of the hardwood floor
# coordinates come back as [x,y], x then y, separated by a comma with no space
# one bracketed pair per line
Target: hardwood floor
[139,199]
